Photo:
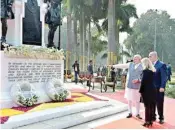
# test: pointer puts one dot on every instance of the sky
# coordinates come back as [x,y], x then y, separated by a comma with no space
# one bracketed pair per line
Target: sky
[144,5]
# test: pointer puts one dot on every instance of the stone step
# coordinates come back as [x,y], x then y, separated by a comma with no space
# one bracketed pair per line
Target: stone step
[78,118]
[43,115]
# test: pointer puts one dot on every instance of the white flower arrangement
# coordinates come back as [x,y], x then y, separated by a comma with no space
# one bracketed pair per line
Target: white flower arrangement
[56,91]
[34,53]
[24,94]
[28,101]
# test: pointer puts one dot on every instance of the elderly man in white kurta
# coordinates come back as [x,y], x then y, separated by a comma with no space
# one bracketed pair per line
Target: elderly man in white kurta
[133,83]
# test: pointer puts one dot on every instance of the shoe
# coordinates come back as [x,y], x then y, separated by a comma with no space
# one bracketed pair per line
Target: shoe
[139,117]
[147,124]
[153,119]
[161,121]
[129,116]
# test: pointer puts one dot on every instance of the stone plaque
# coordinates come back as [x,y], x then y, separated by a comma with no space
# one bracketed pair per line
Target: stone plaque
[32,26]
[35,71]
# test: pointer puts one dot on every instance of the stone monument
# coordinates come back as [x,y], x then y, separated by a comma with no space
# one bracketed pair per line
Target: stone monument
[33,68]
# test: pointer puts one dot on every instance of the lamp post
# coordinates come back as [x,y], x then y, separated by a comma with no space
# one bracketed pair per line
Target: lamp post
[59,35]
[155,33]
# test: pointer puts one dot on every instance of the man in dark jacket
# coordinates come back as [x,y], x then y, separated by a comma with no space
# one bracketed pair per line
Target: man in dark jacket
[76,70]
[90,71]
[160,78]
[90,67]
[5,13]
[169,73]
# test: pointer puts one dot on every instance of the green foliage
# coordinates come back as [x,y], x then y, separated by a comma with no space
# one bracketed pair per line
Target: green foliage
[98,45]
[123,12]
[170,92]
[171,83]
[142,39]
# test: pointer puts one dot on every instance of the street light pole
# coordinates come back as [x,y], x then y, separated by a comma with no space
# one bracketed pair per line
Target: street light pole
[155,35]
[155,31]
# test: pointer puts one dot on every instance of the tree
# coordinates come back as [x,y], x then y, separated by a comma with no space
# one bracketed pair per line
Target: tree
[144,35]
[84,12]
[123,13]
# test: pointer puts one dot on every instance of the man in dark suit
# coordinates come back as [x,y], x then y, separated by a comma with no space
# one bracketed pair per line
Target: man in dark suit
[76,70]
[160,78]
[169,73]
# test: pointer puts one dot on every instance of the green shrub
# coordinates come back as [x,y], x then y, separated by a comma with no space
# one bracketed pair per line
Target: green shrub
[170,92]
[172,83]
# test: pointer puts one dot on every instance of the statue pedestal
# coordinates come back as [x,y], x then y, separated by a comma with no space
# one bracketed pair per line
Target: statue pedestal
[14,70]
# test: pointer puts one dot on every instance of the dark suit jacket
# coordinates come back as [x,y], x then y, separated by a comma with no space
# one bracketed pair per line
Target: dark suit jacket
[90,68]
[78,69]
[169,70]
[160,76]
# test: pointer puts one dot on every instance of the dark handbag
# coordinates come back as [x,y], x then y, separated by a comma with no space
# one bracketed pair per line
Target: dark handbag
[47,17]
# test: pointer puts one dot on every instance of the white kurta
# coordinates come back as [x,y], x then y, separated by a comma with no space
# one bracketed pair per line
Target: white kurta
[132,94]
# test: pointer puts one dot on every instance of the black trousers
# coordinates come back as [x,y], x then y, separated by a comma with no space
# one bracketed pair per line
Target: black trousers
[159,104]
[149,112]
[4,27]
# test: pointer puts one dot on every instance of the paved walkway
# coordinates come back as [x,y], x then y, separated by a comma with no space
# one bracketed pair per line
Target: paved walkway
[133,122]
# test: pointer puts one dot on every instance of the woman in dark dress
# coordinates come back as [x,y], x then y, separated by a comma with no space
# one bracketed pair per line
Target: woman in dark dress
[148,91]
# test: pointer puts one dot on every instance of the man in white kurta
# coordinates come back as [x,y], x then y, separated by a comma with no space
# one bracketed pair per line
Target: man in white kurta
[132,83]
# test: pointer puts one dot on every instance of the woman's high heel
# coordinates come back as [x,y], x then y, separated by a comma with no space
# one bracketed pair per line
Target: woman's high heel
[151,124]
[147,124]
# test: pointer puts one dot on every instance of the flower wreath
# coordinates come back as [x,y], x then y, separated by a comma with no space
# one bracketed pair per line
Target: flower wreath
[56,91]
[24,94]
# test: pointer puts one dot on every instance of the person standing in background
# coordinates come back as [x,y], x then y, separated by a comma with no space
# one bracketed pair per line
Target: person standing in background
[169,73]
[90,71]
[76,70]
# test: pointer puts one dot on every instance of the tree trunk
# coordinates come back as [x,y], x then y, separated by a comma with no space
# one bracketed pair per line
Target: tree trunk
[81,39]
[117,42]
[75,37]
[89,41]
[111,32]
[68,47]
[84,40]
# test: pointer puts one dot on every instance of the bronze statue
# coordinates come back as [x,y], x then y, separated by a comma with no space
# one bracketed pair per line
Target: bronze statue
[5,13]
[52,18]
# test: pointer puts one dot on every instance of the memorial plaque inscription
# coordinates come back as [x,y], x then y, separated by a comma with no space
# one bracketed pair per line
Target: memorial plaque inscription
[33,72]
